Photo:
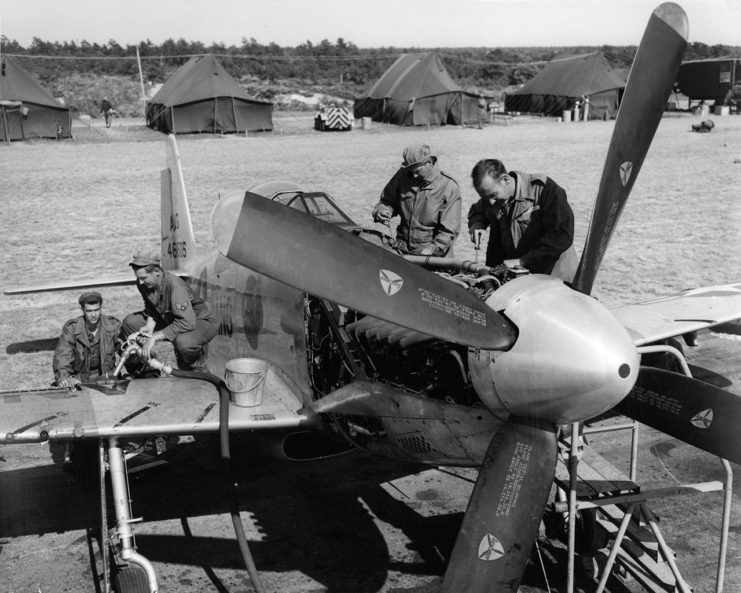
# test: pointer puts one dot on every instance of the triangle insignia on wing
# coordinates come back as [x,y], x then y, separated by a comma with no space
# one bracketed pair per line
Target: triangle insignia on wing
[390,282]
[490,548]
[625,170]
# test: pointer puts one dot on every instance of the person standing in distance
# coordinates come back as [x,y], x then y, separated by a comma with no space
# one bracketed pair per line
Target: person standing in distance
[531,222]
[427,201]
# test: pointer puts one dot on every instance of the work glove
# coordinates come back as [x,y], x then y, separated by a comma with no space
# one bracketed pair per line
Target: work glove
[70,382]
[382,213]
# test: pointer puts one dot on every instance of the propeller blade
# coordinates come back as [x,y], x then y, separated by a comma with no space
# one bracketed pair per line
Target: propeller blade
[504,512]
[692,411]
[651,78]
[324,260]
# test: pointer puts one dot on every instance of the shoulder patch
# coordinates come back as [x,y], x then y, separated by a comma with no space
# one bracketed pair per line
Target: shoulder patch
[181,306]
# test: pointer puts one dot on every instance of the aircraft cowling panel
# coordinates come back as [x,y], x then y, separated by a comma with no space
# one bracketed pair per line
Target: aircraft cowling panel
[572,359]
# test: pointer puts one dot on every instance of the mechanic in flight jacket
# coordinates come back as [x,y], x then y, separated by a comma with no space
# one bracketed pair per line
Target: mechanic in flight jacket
[531,222]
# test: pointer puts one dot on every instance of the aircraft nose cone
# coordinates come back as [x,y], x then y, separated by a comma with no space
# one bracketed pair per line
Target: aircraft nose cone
[572,359]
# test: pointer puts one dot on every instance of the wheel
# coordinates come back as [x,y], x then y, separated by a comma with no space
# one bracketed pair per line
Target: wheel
[130,578]
[589,536]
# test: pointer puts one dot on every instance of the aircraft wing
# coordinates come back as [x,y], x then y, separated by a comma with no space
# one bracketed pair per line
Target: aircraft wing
[688,311]
[141,407]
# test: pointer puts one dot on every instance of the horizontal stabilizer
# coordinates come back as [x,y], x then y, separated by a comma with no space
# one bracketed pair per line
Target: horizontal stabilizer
[123,280]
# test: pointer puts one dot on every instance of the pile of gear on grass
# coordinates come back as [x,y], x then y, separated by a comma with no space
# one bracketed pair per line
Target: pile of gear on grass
[704,126]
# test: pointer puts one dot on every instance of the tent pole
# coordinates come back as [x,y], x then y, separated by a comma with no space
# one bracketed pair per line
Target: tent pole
[141,76]
[5,124]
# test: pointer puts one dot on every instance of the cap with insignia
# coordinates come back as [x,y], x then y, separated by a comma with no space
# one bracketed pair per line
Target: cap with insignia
[142,260]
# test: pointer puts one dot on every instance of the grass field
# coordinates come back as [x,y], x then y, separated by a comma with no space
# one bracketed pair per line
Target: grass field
[78,210]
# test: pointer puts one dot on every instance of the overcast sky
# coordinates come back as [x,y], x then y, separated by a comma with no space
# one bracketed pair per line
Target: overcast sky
[366,23]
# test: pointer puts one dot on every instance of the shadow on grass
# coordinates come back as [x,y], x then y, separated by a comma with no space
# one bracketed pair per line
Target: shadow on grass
[30,346]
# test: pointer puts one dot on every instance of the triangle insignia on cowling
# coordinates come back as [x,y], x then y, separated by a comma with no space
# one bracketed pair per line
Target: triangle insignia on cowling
[390,282]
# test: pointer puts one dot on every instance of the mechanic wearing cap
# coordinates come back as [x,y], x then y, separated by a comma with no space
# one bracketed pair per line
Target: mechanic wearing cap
[427,201]
[180,315]
[87,347]
[532,224]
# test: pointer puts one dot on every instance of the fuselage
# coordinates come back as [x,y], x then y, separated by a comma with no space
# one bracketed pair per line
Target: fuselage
[407,395]
[571,361]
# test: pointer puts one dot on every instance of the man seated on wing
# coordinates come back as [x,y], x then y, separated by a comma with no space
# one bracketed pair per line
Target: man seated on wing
[180,315]
[87,347]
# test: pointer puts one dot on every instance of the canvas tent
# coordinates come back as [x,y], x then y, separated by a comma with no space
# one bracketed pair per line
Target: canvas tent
[26,109]
[567,79]
[417,90]
[201,97]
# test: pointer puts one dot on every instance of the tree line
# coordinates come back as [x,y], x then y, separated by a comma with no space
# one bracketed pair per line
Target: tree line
[340,67]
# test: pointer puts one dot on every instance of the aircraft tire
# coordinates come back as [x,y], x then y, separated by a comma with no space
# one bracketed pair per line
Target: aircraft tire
[130,579]
[590,536]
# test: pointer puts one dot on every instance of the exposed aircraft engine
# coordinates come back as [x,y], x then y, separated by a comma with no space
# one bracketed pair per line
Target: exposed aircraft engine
[344,345]
[568,349]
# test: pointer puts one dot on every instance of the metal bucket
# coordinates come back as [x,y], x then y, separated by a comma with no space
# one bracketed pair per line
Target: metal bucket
[245,378]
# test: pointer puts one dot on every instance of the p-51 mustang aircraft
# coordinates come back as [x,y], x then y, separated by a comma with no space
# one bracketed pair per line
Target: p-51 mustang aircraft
[439,361]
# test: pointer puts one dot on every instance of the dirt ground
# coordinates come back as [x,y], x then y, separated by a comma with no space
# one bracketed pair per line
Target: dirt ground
[78,210]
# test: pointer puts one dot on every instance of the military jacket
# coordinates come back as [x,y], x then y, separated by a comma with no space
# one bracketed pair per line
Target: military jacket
[175,306]
[74,350]
[536,225]
[429,211]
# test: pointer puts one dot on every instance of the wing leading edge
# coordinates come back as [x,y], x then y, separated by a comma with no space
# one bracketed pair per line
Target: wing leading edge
[688,311]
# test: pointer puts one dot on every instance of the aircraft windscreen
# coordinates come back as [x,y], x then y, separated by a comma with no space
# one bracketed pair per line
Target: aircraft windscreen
[317,204]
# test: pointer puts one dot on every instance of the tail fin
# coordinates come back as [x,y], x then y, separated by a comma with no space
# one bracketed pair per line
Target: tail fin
[178,242]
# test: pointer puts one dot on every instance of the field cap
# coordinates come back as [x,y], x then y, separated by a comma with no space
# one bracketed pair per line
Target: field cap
[415,154]
[90,298]
[144,259]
